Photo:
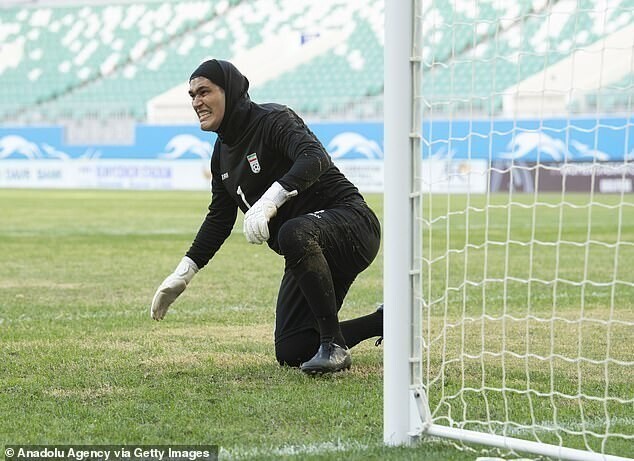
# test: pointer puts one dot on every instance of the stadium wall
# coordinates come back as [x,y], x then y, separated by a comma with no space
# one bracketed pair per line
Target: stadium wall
[456,155]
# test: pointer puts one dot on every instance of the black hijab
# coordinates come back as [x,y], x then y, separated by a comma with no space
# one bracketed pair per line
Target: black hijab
[237,101]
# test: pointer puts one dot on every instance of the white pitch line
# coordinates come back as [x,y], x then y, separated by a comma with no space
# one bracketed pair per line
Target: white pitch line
[289,450]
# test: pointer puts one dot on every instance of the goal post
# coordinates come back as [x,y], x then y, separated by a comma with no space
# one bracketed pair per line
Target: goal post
[509,226]
[400,364]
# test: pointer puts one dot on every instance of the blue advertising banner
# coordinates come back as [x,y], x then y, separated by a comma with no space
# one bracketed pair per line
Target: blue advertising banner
[351,141]
[549,140]
[531,140]
[176,157]
[151,142]
[163,157]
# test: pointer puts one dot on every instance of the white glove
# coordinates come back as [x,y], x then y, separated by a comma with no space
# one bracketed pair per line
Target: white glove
[172,287]
[256,220]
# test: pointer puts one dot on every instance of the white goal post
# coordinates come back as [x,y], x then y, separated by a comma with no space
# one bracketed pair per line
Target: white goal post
[509,226]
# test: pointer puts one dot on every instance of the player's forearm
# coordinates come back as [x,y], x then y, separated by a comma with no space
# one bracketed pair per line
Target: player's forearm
[213,232]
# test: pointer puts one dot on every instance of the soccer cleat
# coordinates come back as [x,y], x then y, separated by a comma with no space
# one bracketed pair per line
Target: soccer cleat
[330,358]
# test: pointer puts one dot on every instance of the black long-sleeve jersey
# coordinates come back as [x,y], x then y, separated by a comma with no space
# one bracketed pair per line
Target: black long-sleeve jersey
[271,144]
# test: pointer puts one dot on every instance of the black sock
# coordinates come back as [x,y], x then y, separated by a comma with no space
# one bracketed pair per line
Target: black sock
[315,280]
[356,330]
[329,330]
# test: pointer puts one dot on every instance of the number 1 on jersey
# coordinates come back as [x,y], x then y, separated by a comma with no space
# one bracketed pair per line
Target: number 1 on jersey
[244,199]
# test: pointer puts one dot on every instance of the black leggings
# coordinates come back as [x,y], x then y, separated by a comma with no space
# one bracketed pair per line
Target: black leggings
[324,252]
[298,348]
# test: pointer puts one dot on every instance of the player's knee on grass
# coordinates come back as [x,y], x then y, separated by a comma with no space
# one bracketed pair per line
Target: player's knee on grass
[297,349]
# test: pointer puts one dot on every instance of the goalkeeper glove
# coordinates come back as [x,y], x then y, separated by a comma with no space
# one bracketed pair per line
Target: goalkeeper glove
[256,220]
[172,287]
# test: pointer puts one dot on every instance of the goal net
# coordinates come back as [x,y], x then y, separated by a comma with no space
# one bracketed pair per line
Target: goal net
[510,298]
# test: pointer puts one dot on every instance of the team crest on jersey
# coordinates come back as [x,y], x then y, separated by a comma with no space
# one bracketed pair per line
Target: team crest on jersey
[253,162]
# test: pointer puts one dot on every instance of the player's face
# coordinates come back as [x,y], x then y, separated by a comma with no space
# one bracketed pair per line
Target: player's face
[208,100]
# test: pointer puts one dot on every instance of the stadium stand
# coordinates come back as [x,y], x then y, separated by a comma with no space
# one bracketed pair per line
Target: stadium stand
[552,31]
[77,57]
[71,62]
[112,59]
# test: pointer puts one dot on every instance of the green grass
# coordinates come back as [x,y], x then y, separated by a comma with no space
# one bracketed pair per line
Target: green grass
[81,362]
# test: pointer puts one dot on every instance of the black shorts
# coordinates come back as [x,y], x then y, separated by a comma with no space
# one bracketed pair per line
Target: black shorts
[349,237]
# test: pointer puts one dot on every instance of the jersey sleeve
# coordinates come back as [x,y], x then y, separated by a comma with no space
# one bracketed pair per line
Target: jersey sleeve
[292,138]
[218,223]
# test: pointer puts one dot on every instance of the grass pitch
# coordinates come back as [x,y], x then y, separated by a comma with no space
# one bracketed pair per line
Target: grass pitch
[82,363]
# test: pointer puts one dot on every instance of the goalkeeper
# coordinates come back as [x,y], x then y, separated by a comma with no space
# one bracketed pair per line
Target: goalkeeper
[269,164]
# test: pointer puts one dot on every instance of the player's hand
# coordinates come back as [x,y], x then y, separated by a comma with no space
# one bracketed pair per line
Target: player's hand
[172,287]
[256,220]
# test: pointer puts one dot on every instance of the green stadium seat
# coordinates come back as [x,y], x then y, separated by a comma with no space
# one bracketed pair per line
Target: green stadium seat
[120,56]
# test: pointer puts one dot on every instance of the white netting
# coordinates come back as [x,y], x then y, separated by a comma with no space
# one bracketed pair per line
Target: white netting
[527,288]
